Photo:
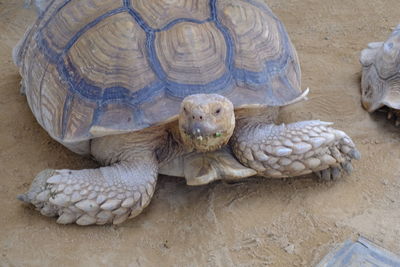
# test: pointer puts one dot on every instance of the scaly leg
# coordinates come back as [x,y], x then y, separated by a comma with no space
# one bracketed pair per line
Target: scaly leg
[94,196]
[295,149]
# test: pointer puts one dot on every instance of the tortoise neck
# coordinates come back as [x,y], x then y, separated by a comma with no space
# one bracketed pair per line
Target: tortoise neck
[256,115]
[172,145]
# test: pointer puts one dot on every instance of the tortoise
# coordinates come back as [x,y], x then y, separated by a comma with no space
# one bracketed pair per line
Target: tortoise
[186,88]
[380,82]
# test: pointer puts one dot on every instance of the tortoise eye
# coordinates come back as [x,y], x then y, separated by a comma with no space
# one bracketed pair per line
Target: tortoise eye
[218,111]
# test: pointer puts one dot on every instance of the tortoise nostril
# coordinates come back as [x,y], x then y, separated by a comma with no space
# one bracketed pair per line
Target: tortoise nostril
[193,117]
[201,117]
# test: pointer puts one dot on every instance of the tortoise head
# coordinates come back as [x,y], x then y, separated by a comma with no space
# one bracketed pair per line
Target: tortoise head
[206,121]
[380,82]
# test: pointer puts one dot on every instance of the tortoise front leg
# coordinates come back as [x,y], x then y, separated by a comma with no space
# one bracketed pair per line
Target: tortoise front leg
[94,196]
[295,149]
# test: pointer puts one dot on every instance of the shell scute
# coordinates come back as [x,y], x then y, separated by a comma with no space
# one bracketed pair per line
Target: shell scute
[113,54]
[157,14]
[35,70]
[52,101]
[80,118]
[192,53]
[72,15]
[256,34]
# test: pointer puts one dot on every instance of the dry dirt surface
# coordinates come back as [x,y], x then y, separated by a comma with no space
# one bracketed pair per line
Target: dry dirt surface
[292,222]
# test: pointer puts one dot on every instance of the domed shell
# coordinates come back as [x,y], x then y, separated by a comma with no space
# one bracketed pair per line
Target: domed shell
[99,67]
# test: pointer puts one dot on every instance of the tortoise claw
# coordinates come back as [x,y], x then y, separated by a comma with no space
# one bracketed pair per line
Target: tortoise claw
[24,198]
[329,174]
[335,173]
[355,154]
[326,174]
[347,167]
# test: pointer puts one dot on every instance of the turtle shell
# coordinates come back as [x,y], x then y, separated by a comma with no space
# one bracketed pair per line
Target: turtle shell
[99,67]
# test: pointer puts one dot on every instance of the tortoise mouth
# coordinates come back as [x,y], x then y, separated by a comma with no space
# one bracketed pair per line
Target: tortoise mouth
[206,142]
[197,136]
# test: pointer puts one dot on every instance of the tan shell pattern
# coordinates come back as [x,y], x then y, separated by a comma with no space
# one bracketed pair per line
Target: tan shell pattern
[98,67]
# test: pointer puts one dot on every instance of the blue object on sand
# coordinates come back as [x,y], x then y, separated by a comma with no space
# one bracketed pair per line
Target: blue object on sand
[360,253]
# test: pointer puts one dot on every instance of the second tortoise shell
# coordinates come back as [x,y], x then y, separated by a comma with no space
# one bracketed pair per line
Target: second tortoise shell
[97,67]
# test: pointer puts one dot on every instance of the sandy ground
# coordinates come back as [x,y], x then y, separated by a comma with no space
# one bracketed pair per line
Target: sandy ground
[262,222]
